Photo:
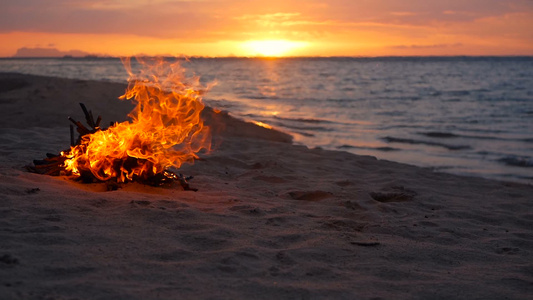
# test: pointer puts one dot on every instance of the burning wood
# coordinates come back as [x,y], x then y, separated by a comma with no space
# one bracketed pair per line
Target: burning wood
[165,131]
[54,164]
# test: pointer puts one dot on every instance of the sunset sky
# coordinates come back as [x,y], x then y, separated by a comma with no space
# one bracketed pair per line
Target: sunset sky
[269,28]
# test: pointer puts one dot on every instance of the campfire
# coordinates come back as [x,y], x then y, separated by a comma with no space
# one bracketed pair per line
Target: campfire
[164,131]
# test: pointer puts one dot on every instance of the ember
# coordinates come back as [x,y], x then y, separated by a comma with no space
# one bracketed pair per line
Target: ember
[165,131]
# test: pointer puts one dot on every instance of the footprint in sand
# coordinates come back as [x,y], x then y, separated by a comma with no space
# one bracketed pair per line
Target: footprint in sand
[394,194]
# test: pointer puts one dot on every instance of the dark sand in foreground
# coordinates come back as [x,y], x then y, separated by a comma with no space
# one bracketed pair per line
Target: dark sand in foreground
[271,220]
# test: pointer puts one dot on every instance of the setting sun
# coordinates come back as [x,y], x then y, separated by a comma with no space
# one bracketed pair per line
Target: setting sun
[271,47]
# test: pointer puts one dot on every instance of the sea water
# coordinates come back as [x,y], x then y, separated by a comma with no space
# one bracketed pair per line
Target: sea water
[463,115]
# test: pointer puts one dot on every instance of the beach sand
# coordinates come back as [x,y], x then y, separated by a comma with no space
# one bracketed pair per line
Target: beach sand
[270,220]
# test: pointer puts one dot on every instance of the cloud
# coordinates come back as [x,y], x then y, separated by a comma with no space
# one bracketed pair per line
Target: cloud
[190,19]
[48,52]
[434,46]
[420,12]
[156,18]
[273,17]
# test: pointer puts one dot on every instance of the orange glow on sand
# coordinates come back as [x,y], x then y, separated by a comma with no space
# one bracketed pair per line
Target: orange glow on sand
[264,125]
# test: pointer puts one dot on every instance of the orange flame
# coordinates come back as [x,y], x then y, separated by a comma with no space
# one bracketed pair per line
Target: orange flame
[165,128]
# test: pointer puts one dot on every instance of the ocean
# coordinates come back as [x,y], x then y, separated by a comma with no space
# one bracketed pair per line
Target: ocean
[463,115]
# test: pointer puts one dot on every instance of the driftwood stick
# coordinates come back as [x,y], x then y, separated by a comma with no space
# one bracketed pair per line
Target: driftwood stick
[56,170]
[73,121]
[48,161]
[40,162]
[87,115]
[184,184]
[98,120]
[81,129]
[72,140]
[54,164]
[93,124]
[53,159]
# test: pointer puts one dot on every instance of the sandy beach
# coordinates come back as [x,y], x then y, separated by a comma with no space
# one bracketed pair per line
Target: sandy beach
[270,220]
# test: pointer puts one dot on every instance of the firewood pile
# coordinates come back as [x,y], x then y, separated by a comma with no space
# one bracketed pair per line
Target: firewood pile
[54,164]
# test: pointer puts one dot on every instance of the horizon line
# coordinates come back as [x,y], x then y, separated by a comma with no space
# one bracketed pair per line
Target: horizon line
[90,56]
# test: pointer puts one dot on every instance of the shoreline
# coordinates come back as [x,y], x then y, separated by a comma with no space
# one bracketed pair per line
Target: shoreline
[270,220]
[451,151]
